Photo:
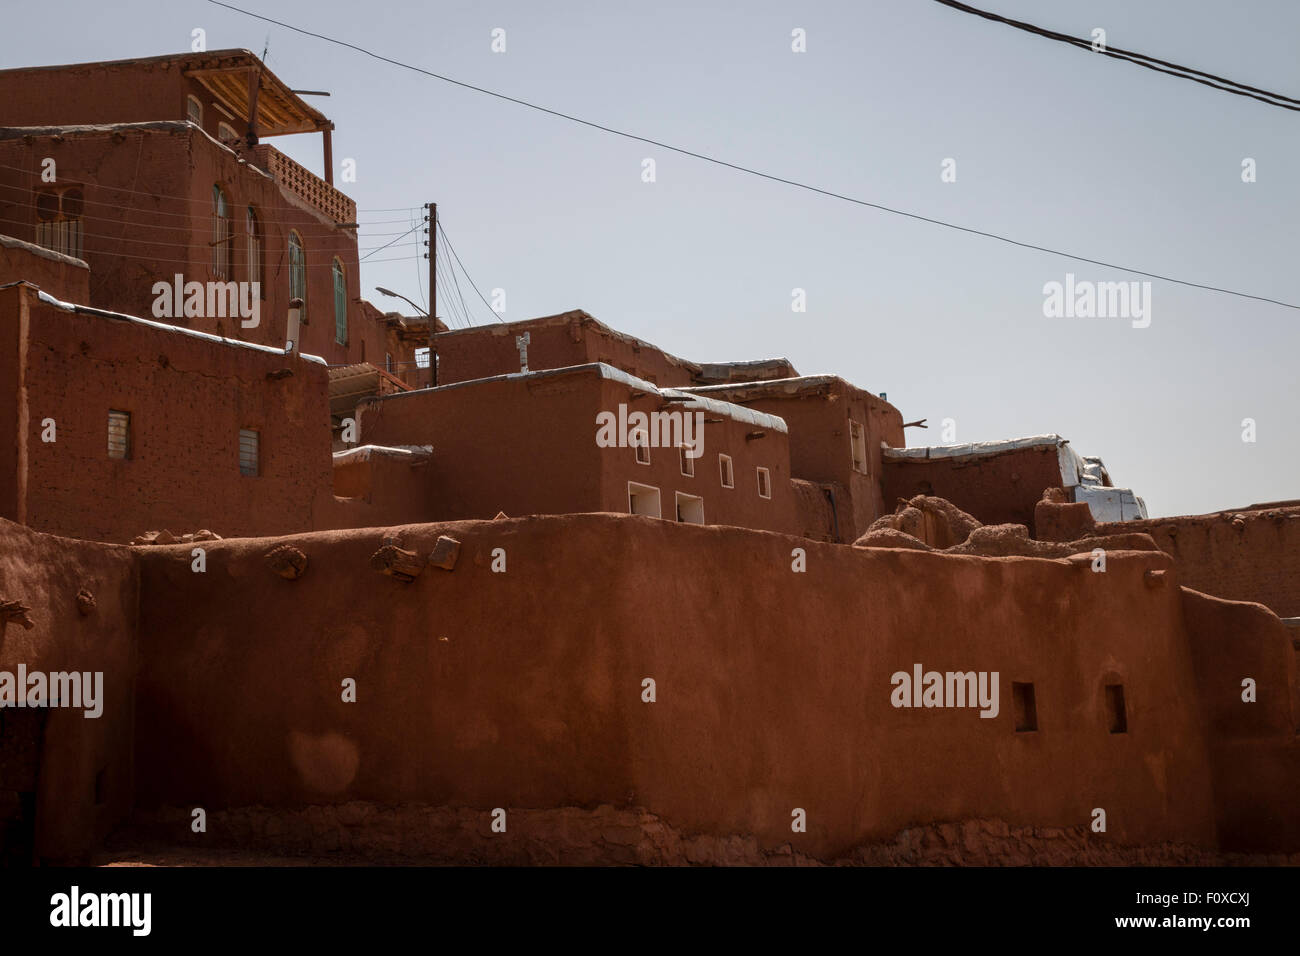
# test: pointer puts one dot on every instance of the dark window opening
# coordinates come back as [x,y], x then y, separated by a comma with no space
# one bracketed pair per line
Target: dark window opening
[1026,710]
[1115,708]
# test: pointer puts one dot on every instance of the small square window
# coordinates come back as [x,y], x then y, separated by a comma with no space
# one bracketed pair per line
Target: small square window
[725,472]
[643,500]
[1026,710]
[1115,708]
[119,434]
[249,465]
[690,509]
[688,463]
[764,483]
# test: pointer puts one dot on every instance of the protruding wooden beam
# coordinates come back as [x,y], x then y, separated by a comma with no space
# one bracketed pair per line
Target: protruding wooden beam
[397,562]
[329,154]
[287,561]
[254,88]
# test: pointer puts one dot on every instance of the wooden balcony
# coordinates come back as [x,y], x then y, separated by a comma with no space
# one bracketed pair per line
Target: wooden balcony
[305,184]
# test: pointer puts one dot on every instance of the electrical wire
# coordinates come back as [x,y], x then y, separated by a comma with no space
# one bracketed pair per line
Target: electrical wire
[447,242]
[1141,59]
[757,173]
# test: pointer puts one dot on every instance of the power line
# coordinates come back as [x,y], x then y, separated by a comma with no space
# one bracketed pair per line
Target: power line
[754,172]
[456,282]
[447,242]
[1141,59]
[387,244]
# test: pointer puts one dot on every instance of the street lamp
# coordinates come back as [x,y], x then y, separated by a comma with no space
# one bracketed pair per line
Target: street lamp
[433,355]
[389,292]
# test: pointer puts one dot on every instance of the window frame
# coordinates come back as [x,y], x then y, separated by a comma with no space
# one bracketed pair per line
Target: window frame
[64,231]
[254,264]
[726,471]
[298,271]
[339,277]
[687,462]
[126,434]
[257,453]
[223,234]
[645,490]
[764,476]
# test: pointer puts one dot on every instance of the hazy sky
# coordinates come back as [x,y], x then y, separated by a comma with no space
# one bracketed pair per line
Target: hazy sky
[1053,146]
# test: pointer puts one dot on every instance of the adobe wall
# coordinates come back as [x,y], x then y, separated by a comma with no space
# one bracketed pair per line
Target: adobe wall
[47,573]
[820,445]
[113,92]
[523,689]
[133,239]
[62,277]
[1250,555]
[554,342]
[1255,746]
[379,493]
[741,505]
[188,399]
[528,446]
[502,446]
[1002,488]
[13,404]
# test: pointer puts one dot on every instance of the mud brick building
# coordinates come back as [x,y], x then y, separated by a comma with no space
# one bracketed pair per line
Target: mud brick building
[500,582]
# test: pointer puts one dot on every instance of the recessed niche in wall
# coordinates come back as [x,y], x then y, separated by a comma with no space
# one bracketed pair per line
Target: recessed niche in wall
[1026,711]
[1115,709]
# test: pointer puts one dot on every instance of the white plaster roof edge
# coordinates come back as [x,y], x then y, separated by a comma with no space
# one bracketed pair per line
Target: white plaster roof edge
[208,336]
[364,452]
[974,448]
[735,412]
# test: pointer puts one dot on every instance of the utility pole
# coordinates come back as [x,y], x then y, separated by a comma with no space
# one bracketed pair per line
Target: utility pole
[432,256]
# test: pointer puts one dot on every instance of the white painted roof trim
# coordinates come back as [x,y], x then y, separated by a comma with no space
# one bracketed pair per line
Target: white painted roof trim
[975,448]
[208,336]
[737,413]
[351,456]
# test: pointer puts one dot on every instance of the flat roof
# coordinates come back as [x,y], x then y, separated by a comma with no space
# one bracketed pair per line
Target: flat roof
[224,73]
[688,400]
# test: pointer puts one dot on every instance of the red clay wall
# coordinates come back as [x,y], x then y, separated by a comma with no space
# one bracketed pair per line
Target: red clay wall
[380,492]
[554,342]
[1255,747]
[53,273]
[1249,555]
[135,238]
[528,446]
[501,443]
[523,689]
[13,404]
[188,399]
[115,92]
[820,447]
[47,573]
[997,489]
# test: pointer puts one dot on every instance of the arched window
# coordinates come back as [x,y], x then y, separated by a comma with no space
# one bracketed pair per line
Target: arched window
[194,111]
[221,234]
[226,133]
[253,249]
[298,272]
[340,304]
